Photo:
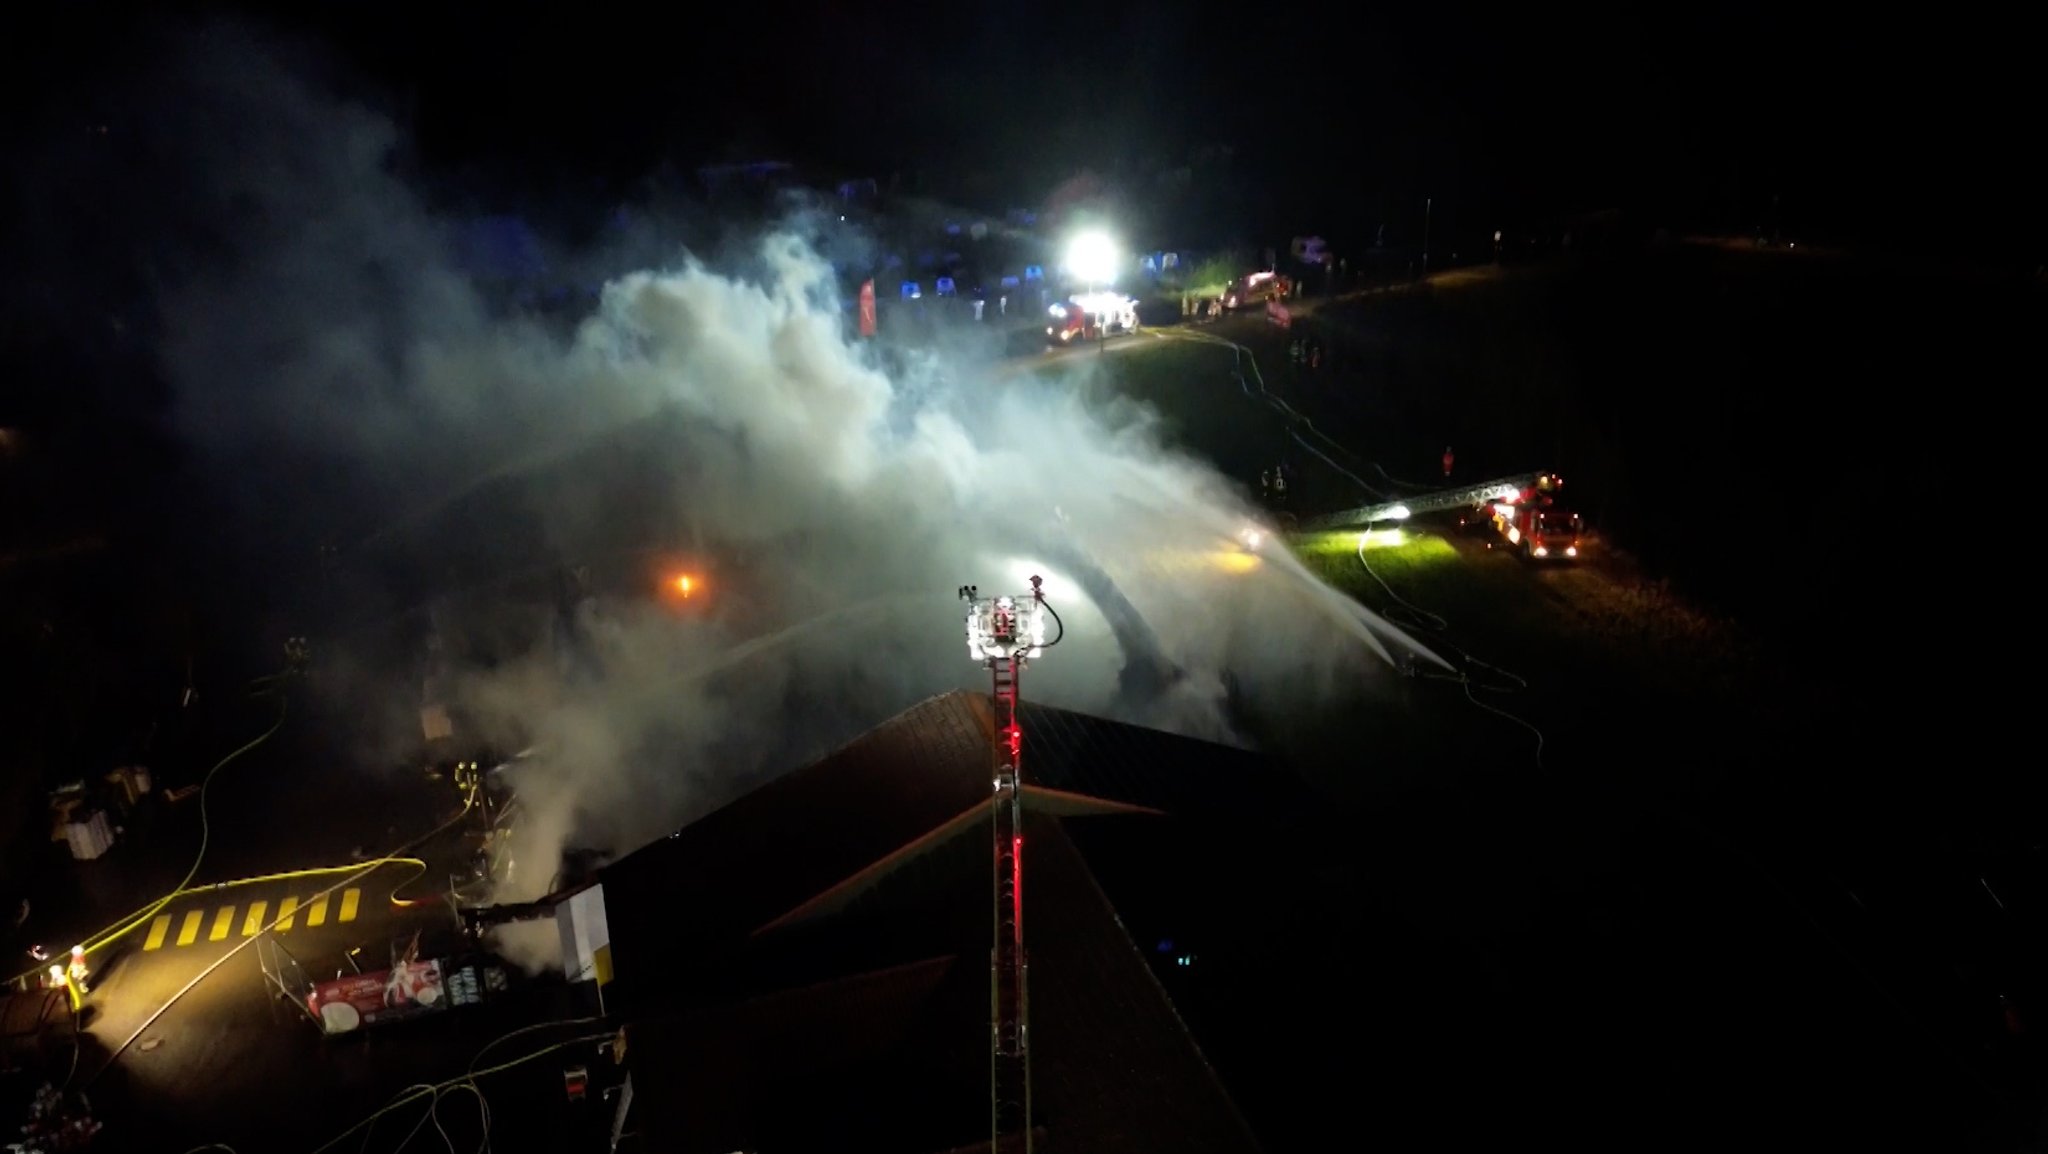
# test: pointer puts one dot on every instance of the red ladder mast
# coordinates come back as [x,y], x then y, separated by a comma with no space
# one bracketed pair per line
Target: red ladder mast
[1004,633]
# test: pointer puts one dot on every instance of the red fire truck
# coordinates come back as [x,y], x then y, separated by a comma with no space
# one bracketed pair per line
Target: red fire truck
[1536,521]
[1090,317]
[1526,509]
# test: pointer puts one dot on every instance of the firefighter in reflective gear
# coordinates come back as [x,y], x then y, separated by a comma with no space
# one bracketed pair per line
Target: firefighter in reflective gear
[1280,482]
[76,971]
[1449,460]
[1266,484]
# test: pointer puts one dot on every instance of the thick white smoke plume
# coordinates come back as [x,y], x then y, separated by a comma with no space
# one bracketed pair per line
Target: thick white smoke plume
[722,420]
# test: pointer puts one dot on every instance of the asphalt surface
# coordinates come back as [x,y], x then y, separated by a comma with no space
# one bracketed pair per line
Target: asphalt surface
[195,1029]
[203,1058]
[185,1040]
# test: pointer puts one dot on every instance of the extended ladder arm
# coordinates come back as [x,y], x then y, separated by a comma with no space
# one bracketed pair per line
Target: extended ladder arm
[1436,502]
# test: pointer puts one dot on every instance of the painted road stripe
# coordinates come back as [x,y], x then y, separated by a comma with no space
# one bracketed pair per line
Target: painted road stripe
[157,930]
[254,921]
[349,898]
[222,923]
[316,914]
[284,913]
[189,932]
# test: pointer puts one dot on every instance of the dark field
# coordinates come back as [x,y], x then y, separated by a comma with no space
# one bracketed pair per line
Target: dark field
[1761,878]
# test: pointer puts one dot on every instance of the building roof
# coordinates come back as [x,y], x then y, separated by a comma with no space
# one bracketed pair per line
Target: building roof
[809,965]
[891,794]
[893,1051]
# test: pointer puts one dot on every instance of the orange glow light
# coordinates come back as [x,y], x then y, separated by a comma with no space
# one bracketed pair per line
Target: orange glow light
[685,584]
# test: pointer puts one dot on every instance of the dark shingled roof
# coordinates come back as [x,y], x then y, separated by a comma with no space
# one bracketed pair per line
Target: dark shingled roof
[774,851]
[739,868]
[895,1054]
[809,965]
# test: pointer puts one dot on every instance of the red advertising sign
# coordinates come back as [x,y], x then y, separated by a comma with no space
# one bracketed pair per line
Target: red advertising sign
[359,1000]
[867,308]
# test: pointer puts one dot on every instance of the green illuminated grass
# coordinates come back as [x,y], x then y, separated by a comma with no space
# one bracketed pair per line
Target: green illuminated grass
[1398,551]
[1576,628]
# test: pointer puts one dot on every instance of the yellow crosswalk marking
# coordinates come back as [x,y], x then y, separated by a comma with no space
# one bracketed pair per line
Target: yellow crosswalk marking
[350,897]
[189,932]
[284,913]
[157,930]
[254,921]
[316,914]
[222,923]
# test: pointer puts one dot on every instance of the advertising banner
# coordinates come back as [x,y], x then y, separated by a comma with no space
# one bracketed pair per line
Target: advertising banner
[374,999]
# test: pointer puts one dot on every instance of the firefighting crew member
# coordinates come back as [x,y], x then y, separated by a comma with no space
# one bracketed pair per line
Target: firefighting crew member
[1448,460]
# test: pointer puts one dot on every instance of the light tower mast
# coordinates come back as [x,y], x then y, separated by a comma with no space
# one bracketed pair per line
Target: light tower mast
[1004,634]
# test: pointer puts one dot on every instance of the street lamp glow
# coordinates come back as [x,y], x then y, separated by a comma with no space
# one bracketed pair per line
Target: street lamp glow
[1093,257]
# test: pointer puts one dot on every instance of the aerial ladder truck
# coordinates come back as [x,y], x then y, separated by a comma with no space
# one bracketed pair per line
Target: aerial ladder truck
[1524,508]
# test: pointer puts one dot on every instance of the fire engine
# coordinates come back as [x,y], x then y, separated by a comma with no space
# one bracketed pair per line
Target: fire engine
[1525,509]
[1257,288]
[1534,520]
[1542,530]
[1089,317]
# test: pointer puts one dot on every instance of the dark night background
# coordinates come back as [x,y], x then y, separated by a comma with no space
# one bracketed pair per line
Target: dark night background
[1907,133]
[1908,138]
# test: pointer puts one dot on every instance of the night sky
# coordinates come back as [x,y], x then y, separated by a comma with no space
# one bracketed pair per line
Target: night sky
[1900,132]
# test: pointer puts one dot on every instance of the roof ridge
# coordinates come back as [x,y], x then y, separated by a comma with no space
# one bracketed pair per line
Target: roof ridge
[843,891]
[1094,884]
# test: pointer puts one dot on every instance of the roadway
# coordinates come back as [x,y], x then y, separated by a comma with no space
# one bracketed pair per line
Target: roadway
[195,1029]
[310,925]
[183,1038]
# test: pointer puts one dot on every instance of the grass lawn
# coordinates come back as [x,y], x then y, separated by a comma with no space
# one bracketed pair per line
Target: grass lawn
[1626,680]
[1620,669]
[1691,833]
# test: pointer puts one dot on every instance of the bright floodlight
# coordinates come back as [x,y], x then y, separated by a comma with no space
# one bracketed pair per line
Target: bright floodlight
[1092,256]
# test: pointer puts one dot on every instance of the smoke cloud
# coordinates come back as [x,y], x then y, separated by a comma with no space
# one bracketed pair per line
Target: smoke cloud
[710,416]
